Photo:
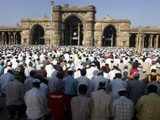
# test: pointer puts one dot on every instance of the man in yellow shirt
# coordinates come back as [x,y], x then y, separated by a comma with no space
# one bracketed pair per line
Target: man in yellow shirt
[148,106]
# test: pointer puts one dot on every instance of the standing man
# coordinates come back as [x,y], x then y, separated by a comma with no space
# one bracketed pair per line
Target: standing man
[148,106]
[14,97]
[123,108]
[36,102]
[101,104]
[136,88]
[117,84]
[84,80]
[70,90]
[81,105]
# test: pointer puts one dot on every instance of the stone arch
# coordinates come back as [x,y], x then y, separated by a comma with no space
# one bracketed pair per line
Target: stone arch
[109,36]
[67,15]
[132,40]
[72,30]
[6,38]
[146,41]
[18,38]
[37,35]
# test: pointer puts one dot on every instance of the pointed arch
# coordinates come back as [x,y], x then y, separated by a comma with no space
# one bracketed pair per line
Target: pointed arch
[72,31]
[37,35]
[109,36]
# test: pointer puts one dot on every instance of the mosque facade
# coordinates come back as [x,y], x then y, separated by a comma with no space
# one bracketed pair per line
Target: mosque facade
[78,26]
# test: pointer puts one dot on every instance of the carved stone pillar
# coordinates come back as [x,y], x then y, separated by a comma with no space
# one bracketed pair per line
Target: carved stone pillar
[3,39]
[156,42]
[140,42]
[137,41]
[150,41]
[79,33]
[9,38]
[89,27]
[0,38]
[14,38]
[57,25]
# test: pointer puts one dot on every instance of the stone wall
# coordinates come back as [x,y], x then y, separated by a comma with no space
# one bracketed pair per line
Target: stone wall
[92,29]
[119,25]
[27,24]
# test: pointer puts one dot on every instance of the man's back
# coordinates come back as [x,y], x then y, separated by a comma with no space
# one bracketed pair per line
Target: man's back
[101,108]
[116,85]
[123,109]
[5,79]
[136,89]
[36,104]
[148,107]
[70,86]
[81,108]
[14,93]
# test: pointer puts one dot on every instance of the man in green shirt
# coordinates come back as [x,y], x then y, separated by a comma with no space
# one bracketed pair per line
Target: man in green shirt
[148,106]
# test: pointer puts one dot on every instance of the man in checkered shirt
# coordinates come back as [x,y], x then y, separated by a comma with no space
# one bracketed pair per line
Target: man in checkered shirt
[123,108]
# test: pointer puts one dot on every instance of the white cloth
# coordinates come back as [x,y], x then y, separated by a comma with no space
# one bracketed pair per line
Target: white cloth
[51,72]
[28,70]
[90,72]
[112,73]
[7,68]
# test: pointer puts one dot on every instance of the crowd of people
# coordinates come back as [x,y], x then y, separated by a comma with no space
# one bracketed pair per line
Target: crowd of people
[80,83]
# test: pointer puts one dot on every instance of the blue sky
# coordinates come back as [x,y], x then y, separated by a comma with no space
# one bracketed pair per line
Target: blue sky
[140,12]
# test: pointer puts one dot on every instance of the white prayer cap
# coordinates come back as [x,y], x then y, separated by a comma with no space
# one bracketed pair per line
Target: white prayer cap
[80,67]
[36,81]
[9,63]
[68,65]
[103,64]
[41,65]
[54,62]
[64,68]
[115,64]
[93,64]
[21,63]
[87,66]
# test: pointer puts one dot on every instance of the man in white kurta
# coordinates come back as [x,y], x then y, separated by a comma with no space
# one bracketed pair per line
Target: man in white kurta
[36,102]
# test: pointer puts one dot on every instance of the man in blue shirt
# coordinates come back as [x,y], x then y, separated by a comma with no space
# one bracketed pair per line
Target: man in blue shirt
[70,90]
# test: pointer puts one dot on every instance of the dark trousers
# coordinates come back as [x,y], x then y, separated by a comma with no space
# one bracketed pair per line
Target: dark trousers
[68,112]
[14,110]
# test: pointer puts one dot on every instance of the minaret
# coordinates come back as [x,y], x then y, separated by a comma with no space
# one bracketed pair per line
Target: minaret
[52,5]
